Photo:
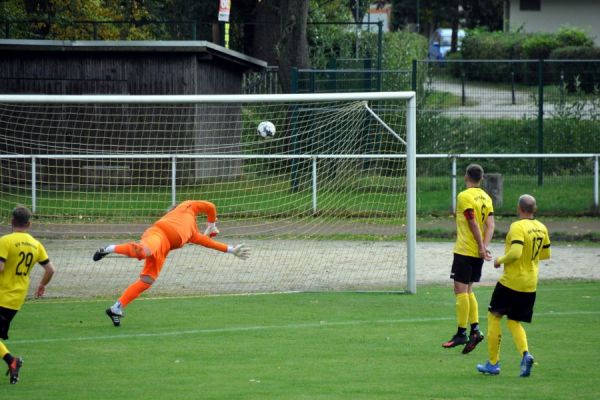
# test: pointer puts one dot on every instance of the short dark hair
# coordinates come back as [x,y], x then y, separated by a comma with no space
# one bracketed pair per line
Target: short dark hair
[21,216]
[475,172]
[527,203]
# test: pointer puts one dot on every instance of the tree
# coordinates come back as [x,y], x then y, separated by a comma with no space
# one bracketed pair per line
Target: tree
[55,19]
[293,45]
[278,34]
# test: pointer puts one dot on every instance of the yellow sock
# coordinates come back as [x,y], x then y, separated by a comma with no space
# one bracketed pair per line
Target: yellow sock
[494,337]
[519,336]
[473,309]
[3,350]
[462,309]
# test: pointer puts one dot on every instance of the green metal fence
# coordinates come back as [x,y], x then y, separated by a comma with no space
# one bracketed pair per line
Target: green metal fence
[506,108]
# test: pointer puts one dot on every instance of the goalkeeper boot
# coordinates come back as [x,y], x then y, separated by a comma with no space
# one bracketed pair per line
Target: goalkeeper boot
[475,338]
[13,370]
[526,364]
[100,254]
[115,317]
[457,340]
[489,368]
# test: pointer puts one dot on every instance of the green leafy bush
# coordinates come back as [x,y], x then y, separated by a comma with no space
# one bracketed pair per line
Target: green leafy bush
[335,46]
[573,36]
[437,133]
[576,75]
[484,45]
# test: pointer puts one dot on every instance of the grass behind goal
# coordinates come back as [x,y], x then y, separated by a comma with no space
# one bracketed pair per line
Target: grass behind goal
[299,346]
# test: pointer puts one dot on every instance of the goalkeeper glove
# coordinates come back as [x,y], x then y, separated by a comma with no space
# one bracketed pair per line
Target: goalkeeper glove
[211,229]
[239,251]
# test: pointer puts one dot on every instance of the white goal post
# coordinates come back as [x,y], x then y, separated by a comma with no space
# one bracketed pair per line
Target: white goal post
[327,203]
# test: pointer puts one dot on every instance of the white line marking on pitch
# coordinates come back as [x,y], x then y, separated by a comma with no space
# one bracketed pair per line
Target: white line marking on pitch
[321,324]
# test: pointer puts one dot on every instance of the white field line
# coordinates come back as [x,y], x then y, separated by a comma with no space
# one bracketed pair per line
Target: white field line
[234,329]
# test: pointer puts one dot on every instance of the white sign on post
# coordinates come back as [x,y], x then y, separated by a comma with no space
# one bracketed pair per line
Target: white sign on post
[224,10]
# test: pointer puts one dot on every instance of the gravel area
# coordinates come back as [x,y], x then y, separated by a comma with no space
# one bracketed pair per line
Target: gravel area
[290,265]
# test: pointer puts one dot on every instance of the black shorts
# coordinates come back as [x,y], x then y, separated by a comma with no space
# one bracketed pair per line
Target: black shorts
[6,315]
[517,306]
[466,269]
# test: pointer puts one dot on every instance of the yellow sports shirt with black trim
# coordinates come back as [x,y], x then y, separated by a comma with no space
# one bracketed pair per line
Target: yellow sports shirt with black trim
[480,202]
[20,252]
[527,242]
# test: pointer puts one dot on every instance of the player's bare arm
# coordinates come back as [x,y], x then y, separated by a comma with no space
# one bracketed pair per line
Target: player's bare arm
[49,271]
[474,228]
[488,233]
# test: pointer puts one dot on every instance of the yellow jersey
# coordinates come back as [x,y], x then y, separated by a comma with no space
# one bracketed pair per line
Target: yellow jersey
[480,202]
[20,252]
[527,242]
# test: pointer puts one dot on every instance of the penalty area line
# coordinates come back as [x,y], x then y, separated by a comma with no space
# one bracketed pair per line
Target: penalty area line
[256,328]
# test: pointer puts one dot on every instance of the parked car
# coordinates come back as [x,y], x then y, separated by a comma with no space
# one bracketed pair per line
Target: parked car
[441,41]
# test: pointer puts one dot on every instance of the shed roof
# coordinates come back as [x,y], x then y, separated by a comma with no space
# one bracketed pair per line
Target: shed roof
[205,49]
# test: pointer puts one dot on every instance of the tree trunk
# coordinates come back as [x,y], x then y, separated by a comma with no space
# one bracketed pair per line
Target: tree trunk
[266,31]
[293,44]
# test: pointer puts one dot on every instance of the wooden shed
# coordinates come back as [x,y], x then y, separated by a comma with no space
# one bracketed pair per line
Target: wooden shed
[126,68]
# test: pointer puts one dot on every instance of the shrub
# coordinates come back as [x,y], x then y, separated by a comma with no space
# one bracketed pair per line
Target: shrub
[576,75]
[482,45]
[573,36]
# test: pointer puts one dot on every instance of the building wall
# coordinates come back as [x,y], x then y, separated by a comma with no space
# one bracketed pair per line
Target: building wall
[555,13]
[145,131]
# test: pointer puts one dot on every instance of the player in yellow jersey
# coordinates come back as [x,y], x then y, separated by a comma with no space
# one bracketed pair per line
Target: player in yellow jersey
[526,243]
[19,252]
[474,231]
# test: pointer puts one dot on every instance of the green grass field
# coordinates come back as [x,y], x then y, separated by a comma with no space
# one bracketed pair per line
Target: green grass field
[299,346]
[559,196]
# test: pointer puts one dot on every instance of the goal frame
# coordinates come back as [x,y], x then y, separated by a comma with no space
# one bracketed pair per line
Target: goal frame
[408,96]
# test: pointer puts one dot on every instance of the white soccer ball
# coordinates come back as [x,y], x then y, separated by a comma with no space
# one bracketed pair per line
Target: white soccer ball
[266,129]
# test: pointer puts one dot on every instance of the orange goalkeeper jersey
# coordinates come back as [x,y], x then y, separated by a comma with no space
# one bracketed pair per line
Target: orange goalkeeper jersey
[180,226]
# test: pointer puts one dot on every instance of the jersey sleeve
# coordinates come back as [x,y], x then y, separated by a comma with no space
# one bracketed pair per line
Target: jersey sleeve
[463,203]
[42,255]
[3,248]
[205,207]
[517,240]
[546,251]
[206,241]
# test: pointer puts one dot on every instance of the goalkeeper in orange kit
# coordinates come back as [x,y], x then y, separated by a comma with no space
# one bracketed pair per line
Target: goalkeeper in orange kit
[175,229]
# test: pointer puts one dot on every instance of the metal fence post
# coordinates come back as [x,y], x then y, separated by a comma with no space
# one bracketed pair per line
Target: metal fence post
[540,130]
[174,180]
[462,83]
[512,83]
[453,185]
[596,189]
[33,185]
[294,85]
[414,75]
[314,184]
[379,55]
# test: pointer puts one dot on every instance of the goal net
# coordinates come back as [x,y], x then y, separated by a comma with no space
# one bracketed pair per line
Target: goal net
[326,203]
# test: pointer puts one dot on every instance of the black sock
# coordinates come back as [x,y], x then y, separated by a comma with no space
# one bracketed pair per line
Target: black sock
[8,358]
[474,327]
[461,331]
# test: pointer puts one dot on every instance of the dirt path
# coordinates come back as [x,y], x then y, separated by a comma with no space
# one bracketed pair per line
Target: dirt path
[495,102]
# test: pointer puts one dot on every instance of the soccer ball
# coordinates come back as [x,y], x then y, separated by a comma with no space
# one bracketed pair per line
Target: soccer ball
[266,129]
